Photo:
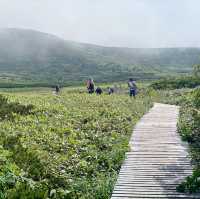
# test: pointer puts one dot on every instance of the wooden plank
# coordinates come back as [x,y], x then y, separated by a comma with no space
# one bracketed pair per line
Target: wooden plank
[128,196]
[158,159]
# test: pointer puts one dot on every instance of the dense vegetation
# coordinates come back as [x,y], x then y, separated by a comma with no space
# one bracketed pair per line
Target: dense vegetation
[189,128]
[177,83]
[66,146]
[33,57]
[186,81]
[72,145]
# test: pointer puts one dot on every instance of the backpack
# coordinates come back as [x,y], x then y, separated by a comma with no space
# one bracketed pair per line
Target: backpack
[91,86]
[132,85]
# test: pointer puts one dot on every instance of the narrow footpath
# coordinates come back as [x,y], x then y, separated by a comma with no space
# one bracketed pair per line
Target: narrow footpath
[158,160]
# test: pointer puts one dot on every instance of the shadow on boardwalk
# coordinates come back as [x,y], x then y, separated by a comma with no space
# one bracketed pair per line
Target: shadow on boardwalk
[158,160]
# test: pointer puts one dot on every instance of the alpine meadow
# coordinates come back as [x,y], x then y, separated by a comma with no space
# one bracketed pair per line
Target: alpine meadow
[99,99]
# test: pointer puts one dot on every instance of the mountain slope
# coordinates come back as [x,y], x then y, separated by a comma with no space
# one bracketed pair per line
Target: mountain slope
[27,55]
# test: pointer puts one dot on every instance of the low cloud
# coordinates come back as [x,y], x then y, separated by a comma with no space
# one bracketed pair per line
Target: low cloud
[131,23]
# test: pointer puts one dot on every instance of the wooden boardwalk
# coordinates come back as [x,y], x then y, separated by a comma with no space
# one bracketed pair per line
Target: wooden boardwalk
[158,159]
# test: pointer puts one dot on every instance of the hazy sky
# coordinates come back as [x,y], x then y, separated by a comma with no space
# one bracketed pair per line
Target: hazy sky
[131,23]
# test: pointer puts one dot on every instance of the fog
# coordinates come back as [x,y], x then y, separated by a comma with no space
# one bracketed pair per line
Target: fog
[127,23]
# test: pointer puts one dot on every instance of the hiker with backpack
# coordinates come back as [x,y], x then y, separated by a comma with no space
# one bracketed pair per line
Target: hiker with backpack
[90,86]
[110,90]
[99,91]
[57,89]
[132,87]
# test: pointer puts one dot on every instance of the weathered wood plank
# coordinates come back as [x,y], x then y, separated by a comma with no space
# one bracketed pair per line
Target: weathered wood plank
[158,160]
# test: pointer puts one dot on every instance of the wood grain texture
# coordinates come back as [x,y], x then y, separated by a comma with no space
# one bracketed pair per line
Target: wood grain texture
[157,161]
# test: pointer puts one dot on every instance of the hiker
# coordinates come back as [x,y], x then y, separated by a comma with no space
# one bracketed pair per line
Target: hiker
[132,87]
[110,90]
[57,89]
[99,91]
[90,86]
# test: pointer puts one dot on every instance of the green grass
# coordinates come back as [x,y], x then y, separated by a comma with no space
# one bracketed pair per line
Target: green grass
[68,146]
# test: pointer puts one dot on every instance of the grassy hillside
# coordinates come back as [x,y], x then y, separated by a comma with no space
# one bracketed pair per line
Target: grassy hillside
[31,56]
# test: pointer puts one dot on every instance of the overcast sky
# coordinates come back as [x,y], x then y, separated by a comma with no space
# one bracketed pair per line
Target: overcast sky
[131,23]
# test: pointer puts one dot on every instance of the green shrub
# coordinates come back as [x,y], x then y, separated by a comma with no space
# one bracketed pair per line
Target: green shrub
[196,98]
[72,146]
[9,109]
[191,184]
[176,83]
[189,128]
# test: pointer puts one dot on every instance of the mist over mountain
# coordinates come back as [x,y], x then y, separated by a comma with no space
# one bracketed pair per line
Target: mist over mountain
[32,56]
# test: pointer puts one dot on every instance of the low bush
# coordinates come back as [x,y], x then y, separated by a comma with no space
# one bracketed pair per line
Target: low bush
[189,128]
[9,109]
[176,83]
[71,147]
